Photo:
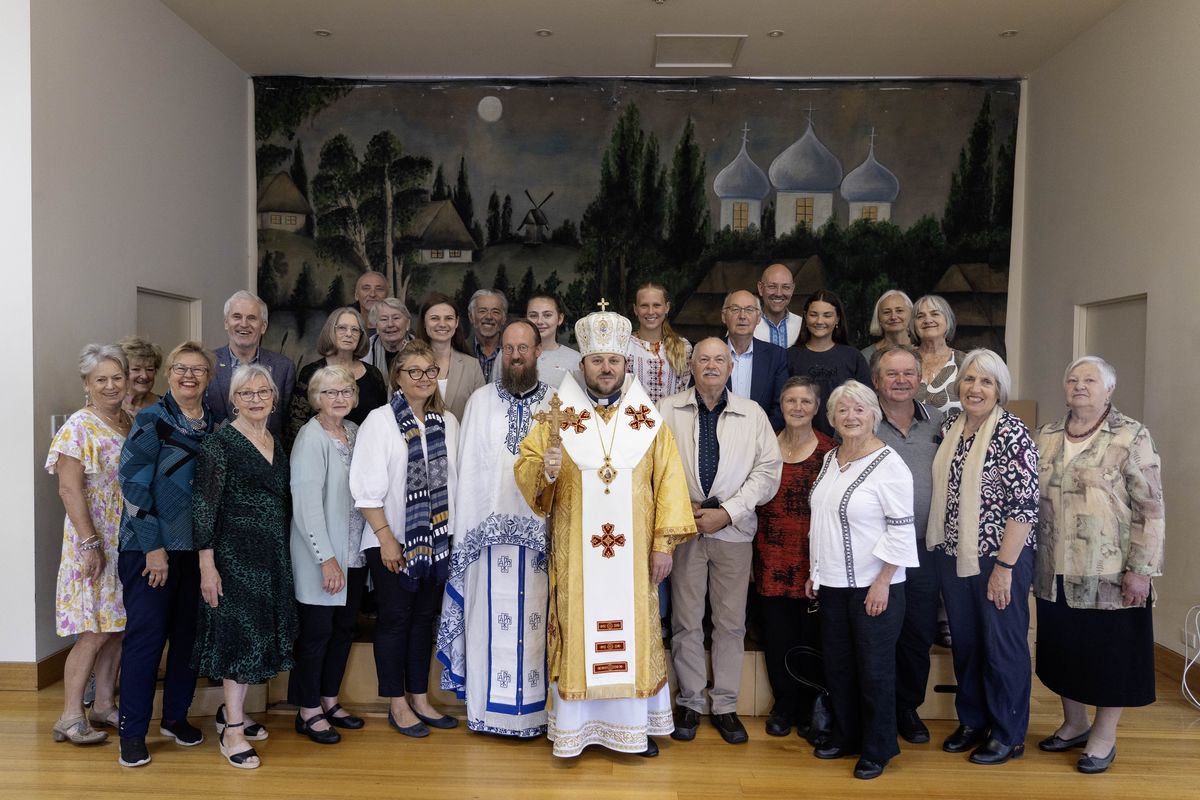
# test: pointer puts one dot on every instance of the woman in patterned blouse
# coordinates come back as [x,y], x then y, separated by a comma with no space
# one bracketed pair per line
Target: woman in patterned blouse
[981,529]
[933,326]
[657,355]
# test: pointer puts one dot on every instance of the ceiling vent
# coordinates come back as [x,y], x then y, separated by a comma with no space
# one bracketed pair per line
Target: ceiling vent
[686,50]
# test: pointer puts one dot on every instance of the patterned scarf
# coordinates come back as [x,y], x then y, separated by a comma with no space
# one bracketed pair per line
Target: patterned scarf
[426,541]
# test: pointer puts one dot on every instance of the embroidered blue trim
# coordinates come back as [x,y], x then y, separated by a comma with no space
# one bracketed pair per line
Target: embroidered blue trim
[519,411]
[847,549]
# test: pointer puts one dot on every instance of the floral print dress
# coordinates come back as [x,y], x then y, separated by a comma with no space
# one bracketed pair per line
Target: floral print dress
[81,605]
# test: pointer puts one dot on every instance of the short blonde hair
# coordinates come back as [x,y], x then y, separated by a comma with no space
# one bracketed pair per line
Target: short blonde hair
[192,346]
[138,349]
[327,375]
[417,349]
[875,329]
[990,364]
[246,373]
[858,393]
[326,339]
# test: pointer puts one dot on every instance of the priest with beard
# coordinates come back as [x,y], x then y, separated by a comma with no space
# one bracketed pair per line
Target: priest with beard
[607,471]
[492,634]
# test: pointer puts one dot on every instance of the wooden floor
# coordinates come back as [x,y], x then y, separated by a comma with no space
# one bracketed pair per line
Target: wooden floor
[1158,757]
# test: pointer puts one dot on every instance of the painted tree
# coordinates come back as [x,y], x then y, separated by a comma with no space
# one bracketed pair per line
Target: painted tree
[687,218]
[269,158]
[565,234]
[493,218]
[500,282]
[968,214]
[525,289]
[506,216]
[338,193]
[441,189]
[335,295]
[470,286]
[464,205]
[268,284]
[299,174]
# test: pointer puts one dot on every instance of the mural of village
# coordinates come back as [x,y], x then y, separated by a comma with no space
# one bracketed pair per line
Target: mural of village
[593,187]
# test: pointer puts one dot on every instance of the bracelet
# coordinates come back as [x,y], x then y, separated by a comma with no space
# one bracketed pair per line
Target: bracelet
[377,530]
[1004,564]
[92,544]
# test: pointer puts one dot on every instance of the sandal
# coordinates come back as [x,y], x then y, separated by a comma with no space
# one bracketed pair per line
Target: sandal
[77,731]
[109,717]
[254,732]
[240,759]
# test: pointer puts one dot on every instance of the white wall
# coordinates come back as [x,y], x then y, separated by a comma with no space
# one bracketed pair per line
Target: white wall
[140,174]
[1112,174]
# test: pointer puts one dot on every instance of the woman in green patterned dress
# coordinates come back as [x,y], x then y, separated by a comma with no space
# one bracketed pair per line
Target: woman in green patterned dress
[240,505]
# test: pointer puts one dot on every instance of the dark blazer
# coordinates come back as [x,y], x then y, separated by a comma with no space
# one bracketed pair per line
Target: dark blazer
[282,370]
[768,373]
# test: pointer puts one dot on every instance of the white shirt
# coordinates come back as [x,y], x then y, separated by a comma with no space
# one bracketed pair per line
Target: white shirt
[743,370]
[379,469]
[862,519]
[792,322]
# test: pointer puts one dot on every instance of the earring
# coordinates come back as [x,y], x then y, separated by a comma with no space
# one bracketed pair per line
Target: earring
[274,407]
[236,411]
[87,397]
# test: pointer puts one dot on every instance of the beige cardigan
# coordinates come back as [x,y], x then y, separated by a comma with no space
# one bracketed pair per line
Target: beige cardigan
[464,378]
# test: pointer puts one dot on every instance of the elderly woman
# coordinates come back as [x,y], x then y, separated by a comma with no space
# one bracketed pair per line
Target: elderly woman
[342,342]
[392,322]
[328,566]
[403,478]
[933,327]
[890,322]
[556,360]
[144,359]
[1100,540]
[84,455]
[657,355]
[458,374]
[860,541]
[240,506]
[822,352]
[158,566]
[781,565]
[981,530]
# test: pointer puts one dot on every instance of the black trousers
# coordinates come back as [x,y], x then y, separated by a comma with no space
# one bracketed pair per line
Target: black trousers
[323,645]
[154,617]
[403,629]
[786,624]
[860,666]
[921,592]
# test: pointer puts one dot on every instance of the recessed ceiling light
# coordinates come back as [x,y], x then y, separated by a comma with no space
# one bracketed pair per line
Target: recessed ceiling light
[1008,34]
[775,34]
[544,32]
[324,34]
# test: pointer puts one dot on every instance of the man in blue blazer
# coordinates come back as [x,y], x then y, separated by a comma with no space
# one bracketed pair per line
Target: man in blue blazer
[759,368]
[246,322]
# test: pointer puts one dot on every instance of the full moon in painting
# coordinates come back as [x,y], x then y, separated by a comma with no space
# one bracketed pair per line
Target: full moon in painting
[490,108]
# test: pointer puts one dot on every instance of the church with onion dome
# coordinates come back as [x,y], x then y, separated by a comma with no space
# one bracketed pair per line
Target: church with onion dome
[741,187]
[870,189]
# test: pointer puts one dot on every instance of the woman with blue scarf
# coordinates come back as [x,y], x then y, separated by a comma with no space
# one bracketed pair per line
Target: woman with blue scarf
[402,478]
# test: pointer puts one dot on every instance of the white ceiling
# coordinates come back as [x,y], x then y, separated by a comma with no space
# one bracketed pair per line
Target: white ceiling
[464,38]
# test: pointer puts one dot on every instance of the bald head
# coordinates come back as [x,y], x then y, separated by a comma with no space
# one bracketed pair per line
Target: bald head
[776,287]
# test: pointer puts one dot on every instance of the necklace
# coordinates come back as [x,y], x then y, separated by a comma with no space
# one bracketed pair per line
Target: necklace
[119,423]
[1089,431]
[607,472]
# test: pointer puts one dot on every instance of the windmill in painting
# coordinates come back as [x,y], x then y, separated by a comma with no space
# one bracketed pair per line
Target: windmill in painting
[536,225]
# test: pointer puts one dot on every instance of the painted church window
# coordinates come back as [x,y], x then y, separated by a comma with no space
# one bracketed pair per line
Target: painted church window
[804,211]
[870,212]
[741,216]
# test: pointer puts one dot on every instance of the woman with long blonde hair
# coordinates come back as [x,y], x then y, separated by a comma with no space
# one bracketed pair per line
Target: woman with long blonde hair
[657,355]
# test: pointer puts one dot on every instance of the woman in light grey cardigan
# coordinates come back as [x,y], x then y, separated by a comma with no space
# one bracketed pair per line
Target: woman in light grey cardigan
[329,569]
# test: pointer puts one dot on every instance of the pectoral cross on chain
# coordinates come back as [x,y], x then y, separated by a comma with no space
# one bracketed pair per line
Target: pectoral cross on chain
[558,419]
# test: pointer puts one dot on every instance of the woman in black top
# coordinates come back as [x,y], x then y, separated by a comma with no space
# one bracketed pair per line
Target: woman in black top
[822,352]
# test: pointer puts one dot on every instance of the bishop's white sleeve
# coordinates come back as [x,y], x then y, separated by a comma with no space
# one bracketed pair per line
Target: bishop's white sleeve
[898,544]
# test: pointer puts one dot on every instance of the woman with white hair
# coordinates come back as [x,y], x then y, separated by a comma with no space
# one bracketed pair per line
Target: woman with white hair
[392,322]
[861,538]
[1101,538]
[240,508]
[890,322]
[933,327]
[982,518]
[84,455]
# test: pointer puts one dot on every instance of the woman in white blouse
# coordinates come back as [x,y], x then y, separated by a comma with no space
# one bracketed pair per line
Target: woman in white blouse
[403,478]
[860,540]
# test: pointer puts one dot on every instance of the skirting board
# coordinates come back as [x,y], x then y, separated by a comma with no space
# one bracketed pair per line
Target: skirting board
[29,676]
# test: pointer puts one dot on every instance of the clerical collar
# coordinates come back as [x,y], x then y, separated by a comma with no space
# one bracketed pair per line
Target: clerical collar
[604,401]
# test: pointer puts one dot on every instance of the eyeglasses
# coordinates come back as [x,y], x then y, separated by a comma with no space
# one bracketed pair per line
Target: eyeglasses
[523,349]
[737,311]
[428,372]
[184,369]
[347,329]
[335,393]
[247,395]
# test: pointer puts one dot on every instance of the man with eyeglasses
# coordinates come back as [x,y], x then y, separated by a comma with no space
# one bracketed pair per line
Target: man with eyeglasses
[245,323]
[778,325]
[492,634]
[759,368]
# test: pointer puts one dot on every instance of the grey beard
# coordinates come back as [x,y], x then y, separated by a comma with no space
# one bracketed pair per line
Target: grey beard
[519,380]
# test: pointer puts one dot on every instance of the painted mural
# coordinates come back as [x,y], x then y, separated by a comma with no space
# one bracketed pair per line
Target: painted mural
[587,188]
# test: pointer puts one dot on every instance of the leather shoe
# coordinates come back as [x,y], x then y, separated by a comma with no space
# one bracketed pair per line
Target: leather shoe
[779,724]
[417,731]
[443,722]
[964,738]
[1057,744]
[305,728]
[1093,765]
[911,728]
[651,748]
[866,769]
[731,728]
[993,752]
[834,751]
[349,721]
[686,722]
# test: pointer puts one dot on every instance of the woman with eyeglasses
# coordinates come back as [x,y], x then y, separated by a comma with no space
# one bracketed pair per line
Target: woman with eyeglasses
[240,510]
[328,566]
[157,564]
[402,478]
[342,342]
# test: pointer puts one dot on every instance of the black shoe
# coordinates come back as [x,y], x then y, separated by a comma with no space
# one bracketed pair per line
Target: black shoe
[304,727]
[993,752]
[183,732]
[651,748]
[964,738]
[779,724]
[943,639]
[911,728]
[349,722]
[866,769]
[417,731]
[1056,744]
[1088,765]
[443,722]
[731,728]
[834,751]
[133,752]
[686,722]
